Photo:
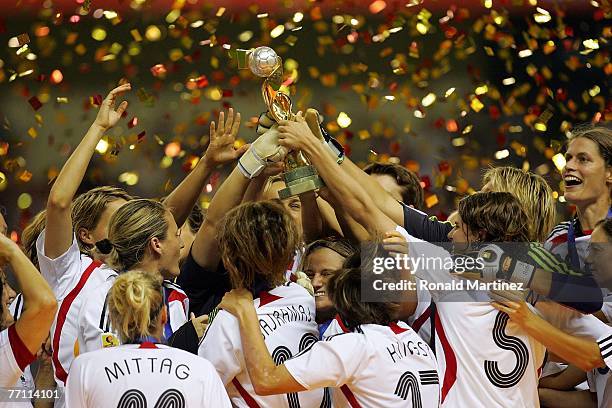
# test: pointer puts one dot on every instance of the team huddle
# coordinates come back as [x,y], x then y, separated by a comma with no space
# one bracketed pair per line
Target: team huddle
[258,301]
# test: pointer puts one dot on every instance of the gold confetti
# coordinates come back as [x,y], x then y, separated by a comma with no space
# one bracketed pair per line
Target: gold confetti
[343,120]
[476,105]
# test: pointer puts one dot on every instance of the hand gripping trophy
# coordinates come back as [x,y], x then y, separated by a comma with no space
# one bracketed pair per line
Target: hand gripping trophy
[300,177]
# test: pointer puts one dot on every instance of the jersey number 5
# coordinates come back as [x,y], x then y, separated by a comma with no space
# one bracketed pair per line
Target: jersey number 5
[513,344]
[136,399]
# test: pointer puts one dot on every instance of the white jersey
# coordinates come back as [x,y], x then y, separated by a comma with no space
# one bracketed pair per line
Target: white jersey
[26,380]
[287,321]
[94,327]
[144,375]
[374,366]
[14,357]
[487,360]
[600,382]
[73,277]
[557,241]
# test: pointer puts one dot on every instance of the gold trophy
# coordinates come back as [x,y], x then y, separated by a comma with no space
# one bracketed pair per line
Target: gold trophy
[300,176]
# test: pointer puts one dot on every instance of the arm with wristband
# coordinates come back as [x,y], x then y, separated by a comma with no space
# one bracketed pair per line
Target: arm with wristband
[540,271]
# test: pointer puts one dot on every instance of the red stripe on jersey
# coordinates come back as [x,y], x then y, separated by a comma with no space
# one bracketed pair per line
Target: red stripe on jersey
[450,373]
[23,357]
[341,323]
[60,373]
[396,329]
[176,296]
[250,401]
[266,298]
[416,326]
[558,240]
[350,396]
[147,345]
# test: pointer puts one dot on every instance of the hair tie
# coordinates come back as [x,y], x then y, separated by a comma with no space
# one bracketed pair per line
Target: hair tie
[104,246]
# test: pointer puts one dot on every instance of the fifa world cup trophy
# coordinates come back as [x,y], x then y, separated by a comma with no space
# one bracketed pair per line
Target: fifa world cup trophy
[300,176]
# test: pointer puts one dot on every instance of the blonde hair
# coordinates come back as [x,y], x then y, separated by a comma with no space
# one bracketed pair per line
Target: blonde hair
[30,235]
[131,229]
[88,207]
[534,194]
[135,302]
[257,239]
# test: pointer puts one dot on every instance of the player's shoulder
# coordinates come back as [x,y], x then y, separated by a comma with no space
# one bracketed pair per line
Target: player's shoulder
[169,285]
[291,289]
[94,357]
[282,295]
[559,229]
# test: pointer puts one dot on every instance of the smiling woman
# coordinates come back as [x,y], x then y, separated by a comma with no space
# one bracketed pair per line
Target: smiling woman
[587,178]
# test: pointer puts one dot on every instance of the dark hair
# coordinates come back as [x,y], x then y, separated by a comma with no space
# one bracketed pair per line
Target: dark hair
[344,290]
[600,135]
[412,191]
[606,226]
[498,216]
[341,246]
[257,240]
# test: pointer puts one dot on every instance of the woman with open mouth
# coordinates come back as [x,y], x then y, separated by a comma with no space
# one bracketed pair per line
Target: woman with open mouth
[587,180]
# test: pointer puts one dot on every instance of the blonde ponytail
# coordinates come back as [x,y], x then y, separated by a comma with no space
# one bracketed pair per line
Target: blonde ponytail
[135,301]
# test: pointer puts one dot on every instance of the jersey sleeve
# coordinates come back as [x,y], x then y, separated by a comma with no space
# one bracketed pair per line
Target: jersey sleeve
[578,324]
[16,307]
[178,309]
[330,363]
[12,368]
[222,346]
[214,394]
[549,261]
[420,225]
[59,272]
[75,387]
[430,263]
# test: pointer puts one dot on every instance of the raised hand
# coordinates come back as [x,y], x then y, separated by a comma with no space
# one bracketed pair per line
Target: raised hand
[395,243]
[512,303]
[222,137]
[108,116]
[235,300]
[295,134]
[200,323]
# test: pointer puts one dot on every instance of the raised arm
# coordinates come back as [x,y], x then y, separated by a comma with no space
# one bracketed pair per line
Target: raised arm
[265,150]
[59,230]
[541,271]
[33,325]
[220,151]
[348,192]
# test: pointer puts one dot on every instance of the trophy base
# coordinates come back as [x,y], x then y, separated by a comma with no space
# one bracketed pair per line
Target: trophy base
[299,181]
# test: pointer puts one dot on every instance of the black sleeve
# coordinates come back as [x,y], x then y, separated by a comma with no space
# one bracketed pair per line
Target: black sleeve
[419,225]
[185,338]
[204,288]
[576,289]
[581,293]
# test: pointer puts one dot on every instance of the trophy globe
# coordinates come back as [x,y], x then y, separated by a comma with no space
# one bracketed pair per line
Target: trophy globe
[263,61]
